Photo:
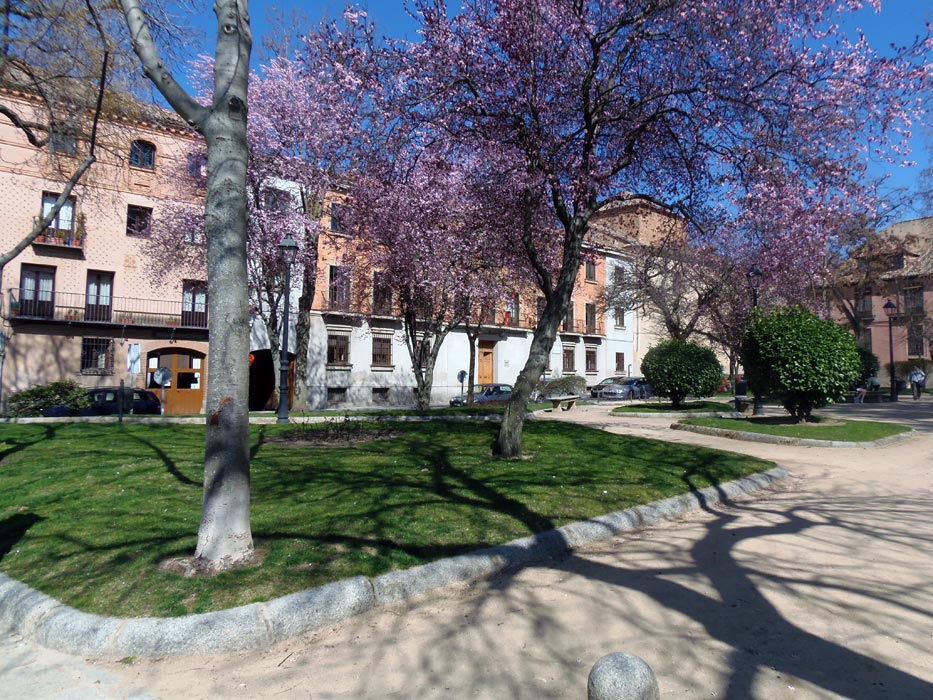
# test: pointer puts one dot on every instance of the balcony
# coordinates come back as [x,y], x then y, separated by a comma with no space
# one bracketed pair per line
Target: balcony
[64,240]
[132,317]
[581,327]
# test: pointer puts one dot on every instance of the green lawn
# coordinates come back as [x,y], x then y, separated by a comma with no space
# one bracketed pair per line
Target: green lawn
[88,510]
[823,429]
[688,407]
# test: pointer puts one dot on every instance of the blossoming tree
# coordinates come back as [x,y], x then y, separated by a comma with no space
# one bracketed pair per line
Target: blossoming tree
[702,106]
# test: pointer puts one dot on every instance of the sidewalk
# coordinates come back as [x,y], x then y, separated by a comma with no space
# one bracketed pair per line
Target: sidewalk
[819,589]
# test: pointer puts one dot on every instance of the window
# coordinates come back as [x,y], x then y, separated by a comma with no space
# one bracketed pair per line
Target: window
[336,395]
[864,302]
[382,351]
[62,139]
[338,289]
[590,271]
[138,220]
[338,348]
[915,340]
[568,320]
[913,299]
[195,236]
[338,215]
[620,362]
[276,200]
[591,319]
[382,295]
[619,316]
[568,359]
[37,291]
[197,165]
[422,352]
[142,155]
[591,360]
[96,356]
[540,304]
[64,220]
[510,315]
[98,304]
[194,303]
[381,395]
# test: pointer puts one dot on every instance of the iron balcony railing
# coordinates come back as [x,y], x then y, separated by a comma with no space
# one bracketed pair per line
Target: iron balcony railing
[70,307]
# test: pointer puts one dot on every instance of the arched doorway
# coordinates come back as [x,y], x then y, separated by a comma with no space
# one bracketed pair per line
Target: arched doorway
[262,394]
[185,393]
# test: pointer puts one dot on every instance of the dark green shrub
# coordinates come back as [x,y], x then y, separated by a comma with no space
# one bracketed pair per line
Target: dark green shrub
[678,369]
[870,366]
[804,361]
[568,385]
[35,401]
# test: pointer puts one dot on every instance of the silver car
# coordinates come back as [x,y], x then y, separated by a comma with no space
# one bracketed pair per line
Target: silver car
[628,389]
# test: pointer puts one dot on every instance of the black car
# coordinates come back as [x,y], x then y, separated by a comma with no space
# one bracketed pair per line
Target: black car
[104,402]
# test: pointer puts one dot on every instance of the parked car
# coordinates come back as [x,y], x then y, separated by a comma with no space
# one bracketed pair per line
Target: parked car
[608,381]
[104,402]
[484,393]
[630,388]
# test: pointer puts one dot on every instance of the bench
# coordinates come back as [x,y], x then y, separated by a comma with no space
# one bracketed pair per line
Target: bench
[873,396]
[564,402]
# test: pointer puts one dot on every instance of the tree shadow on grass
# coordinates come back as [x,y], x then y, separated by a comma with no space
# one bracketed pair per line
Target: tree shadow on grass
[13,528]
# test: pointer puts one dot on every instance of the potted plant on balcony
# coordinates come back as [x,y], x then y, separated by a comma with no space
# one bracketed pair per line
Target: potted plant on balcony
[14,308]
[77,238]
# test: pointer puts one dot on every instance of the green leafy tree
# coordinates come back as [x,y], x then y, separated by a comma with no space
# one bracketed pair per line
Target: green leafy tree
[803,360]
[677,369]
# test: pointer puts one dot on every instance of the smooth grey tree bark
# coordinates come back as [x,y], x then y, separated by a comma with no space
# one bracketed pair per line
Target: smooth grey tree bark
[224,537]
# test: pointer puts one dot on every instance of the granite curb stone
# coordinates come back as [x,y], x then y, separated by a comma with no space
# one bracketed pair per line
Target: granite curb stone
[49,622]
[785,440]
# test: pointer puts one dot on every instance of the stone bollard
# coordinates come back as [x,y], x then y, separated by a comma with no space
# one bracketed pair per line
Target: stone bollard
[622,676]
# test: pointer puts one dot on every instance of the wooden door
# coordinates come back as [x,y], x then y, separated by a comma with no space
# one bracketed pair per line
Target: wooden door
[486,366]
[185,393]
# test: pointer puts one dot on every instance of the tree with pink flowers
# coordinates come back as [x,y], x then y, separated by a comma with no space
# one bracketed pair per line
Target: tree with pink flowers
[419,239]
[302,120]
[750,112]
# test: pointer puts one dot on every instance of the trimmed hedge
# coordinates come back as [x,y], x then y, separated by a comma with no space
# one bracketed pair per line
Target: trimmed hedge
[38,399]
[677,369]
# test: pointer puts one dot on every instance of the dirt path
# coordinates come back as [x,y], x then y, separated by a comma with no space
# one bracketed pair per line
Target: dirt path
[818,589]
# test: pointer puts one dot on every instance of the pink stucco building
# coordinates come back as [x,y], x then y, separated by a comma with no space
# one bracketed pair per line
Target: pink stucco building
[78,302]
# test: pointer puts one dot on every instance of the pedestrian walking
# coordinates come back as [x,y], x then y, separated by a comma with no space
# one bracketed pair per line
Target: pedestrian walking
[918,381]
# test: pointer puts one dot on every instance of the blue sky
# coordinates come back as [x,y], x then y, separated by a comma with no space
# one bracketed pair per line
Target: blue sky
[899,22]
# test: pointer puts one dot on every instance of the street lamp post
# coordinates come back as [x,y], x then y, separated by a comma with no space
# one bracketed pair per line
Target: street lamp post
[890,308]
[289,250]
[754,277]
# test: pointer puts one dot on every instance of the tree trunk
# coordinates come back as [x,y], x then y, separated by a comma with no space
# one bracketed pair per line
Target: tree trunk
[303,337]
[224,536]
[472,337]
[509,442]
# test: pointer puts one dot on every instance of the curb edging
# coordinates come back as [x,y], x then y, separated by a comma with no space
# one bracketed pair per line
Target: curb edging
[51,623]
[785,440]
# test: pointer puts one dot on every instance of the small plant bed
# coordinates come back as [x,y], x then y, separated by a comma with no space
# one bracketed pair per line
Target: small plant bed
[89,511]
[823,429]
[688,407]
